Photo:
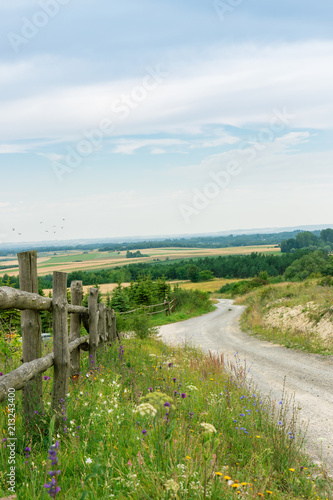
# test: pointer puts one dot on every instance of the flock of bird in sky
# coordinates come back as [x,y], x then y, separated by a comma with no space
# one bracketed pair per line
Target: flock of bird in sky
[49,230]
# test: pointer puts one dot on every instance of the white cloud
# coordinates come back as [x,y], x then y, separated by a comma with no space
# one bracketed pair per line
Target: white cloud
[213,143]
[6,149]
[52,156]
[237,86]
[130,146]
[158,151]
[294,138]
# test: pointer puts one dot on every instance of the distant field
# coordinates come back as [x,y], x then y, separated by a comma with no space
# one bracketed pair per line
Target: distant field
[84,261]
[207,286]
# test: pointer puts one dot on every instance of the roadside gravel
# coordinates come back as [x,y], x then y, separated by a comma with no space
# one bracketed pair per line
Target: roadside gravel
[308,376]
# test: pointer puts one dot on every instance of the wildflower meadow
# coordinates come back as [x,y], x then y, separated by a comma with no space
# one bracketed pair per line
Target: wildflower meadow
[156,422]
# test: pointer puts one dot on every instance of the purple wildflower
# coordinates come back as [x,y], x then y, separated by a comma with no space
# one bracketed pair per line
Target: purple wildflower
[52,487]
[174,379]
[150,389]
[183,395]
[1,374]
[167,404]
[170,365]
[144,432]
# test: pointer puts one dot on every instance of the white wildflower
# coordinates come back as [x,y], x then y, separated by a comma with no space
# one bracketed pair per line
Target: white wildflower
[208,427]
[88,460]
[172,485]
[146,409]
[192,388]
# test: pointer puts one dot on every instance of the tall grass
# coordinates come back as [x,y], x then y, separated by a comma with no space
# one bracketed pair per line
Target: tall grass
[152,421]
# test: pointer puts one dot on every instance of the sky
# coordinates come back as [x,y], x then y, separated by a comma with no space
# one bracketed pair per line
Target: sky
[151,117]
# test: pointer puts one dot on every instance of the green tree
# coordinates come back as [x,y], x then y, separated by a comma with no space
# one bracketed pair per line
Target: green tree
[119,301]
[314,263]
[206,275]
[193,273]
[327,235]
[306,239]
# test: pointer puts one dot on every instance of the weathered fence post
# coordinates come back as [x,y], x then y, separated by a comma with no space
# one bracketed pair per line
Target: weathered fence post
[109,326]
[93,324]
[31,333]
[114,325]
[169,308]
[101,324]
[60,342]
[165,305]
[75,325]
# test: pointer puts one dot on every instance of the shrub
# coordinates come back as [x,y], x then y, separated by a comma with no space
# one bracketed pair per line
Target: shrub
[140,323]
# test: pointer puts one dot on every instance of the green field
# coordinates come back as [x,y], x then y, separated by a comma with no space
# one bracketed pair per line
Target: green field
[81,257]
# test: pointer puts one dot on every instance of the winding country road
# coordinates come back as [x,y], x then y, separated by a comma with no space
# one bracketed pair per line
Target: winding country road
[308,376]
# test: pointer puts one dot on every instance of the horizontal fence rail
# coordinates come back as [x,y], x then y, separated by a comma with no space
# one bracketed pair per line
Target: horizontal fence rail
[168,306]
[16,379]
[97,319]
[11,298]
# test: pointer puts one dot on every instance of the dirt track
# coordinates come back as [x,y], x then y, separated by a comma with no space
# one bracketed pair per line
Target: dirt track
[308,376]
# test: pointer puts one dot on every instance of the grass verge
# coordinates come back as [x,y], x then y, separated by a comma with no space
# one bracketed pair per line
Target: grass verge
[296,315]
[152,421]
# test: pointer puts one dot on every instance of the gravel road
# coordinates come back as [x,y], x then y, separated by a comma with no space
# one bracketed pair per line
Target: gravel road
[308,376]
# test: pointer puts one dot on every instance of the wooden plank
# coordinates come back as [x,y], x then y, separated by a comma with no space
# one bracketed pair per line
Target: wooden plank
[22,375]
[93,325]
[72,309]
[75,326]
[11,298]
[16,379]
[109,326]
[60,344]
[114,326]
[31,327]
[101,324]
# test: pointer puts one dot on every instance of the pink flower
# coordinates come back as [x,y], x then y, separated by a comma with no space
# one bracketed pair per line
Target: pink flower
[129,463]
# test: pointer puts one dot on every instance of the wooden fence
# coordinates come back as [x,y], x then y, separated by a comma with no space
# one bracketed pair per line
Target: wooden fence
[168,306]
[99,321]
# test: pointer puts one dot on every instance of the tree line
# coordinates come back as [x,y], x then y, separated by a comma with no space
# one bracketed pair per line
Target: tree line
[308,239]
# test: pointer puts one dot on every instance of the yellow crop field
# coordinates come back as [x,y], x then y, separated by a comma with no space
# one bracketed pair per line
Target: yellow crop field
[207,286]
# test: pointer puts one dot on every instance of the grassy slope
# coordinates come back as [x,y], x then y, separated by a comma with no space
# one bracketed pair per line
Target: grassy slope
[182,315]
[290,295]
[108,450]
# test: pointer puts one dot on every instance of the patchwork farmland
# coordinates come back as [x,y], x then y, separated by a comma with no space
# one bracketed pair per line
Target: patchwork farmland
[68,261]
